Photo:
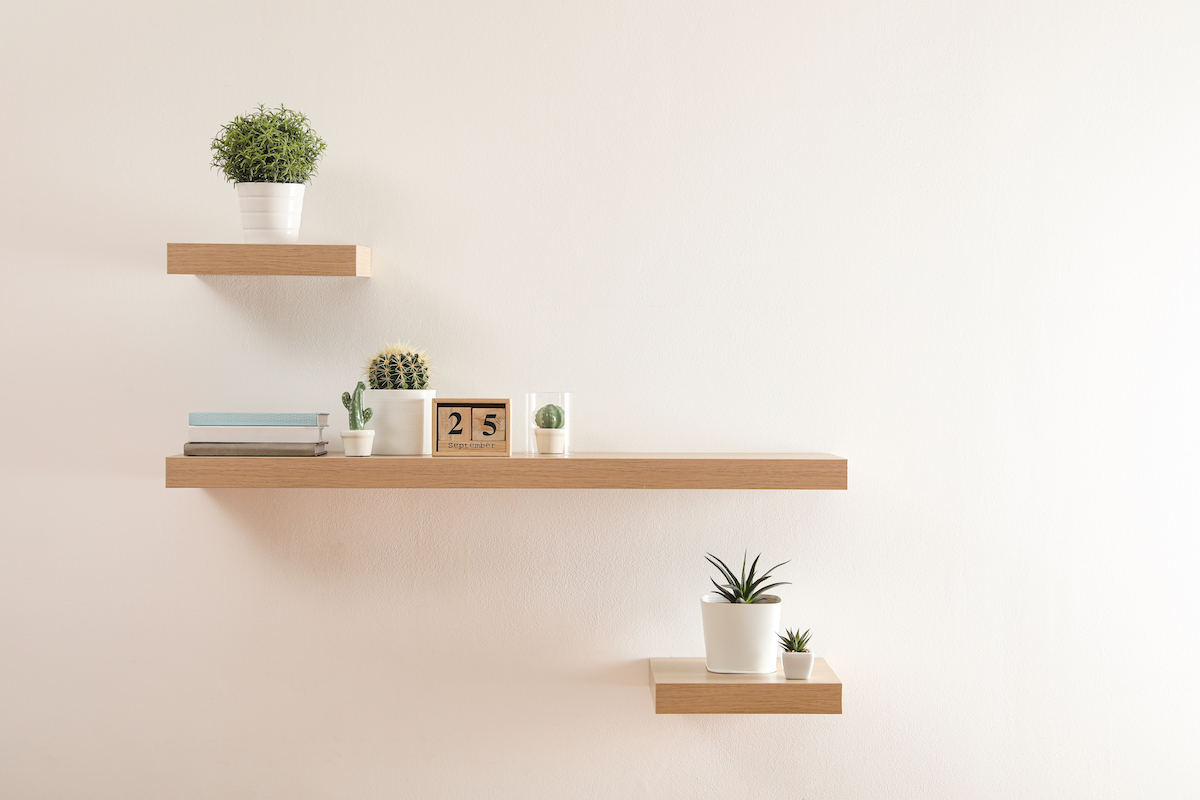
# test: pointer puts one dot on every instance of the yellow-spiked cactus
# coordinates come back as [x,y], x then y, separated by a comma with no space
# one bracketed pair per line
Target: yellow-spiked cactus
[398,366]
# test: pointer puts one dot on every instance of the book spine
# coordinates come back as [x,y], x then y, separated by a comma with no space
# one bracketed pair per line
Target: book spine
[264,420]
[216,433]
[275,449]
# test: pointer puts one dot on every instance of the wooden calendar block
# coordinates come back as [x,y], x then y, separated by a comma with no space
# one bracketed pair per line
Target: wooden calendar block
[473,427]
[489,424]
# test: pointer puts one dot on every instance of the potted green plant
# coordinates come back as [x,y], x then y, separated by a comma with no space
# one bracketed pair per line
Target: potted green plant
[741,620]
[403,402]
[269,154]
[357,440]
[551,438]
[797,661]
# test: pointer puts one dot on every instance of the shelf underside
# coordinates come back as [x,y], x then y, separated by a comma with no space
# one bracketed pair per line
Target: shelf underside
[331,260]
[577,471]
[684,686]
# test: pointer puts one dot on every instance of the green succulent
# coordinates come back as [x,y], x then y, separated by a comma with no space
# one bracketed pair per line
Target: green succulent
[550,416]
[794,642]
[398,366]
[359,416]
[269,145]
[747,588]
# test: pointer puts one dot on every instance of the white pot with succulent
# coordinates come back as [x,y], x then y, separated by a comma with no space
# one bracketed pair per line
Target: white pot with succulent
[357,440]
[797,660]
[269,154]
[741,621]
[403,401]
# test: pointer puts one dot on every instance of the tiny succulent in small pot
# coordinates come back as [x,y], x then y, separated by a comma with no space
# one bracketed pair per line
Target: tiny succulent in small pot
[357,440]
[270,154]
[398,377]
[550,423]
[741,620]
[797,661]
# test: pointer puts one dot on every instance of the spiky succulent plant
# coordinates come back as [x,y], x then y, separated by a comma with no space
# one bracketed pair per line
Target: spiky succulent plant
[794,642]
[550,416]
[398,366]
[746,588]
[359,416]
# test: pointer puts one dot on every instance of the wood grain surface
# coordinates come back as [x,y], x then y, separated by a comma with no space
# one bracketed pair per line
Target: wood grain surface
[521,471]
[684,686]
[334,260]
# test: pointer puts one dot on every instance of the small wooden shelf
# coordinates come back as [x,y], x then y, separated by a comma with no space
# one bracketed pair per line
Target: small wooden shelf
[684,686]
[576,471]
[333,260]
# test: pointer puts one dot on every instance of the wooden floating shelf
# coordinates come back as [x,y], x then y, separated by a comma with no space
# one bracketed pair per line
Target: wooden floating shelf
[520,471]
[333,260]
[684,686]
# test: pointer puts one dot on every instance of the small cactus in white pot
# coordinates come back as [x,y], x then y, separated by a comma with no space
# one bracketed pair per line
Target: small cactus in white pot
[797,660]
[399,392]
[357,440]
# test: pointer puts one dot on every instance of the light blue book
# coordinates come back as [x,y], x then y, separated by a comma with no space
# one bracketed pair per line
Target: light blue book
[259,420]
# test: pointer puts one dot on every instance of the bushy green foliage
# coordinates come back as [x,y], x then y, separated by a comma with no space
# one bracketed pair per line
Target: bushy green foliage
[550,416]
[270,145]
[398,366]
[744,589]
[794,642]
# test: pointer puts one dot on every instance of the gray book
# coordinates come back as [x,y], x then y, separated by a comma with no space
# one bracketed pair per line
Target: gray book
[254,449]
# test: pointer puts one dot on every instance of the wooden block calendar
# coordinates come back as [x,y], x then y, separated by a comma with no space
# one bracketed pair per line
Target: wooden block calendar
[471,427]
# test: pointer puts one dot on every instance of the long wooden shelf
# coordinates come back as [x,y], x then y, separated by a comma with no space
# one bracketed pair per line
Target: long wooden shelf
[333,260]
[684,686]
[577,471]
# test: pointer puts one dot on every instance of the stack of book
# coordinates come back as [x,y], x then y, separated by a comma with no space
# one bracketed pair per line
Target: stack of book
[226,434]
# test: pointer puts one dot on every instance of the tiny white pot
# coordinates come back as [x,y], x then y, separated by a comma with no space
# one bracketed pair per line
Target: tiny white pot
[358,443]
[271,212]
[740,637]
[551,441]
[797,666]
[402,421]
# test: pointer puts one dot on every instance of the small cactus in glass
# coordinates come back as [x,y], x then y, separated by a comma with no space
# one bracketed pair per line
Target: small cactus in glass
[359,416]
[550,416]
[398,366]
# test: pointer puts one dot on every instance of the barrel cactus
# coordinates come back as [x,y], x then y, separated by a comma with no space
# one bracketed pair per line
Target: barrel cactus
[398,366]
[359,416]
[550,416]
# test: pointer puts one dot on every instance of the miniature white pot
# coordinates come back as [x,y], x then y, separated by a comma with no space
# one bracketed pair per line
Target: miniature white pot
[402,421]
[797,666]
[551,441]
[271,212]
[740,637]
[358,443]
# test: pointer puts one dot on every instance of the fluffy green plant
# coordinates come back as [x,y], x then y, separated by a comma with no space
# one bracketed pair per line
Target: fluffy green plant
[746,588]
[550,416]
[794,642]
[269,145]
[359,416]
[398,366]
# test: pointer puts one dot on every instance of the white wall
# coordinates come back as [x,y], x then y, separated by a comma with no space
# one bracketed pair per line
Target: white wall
[956,243]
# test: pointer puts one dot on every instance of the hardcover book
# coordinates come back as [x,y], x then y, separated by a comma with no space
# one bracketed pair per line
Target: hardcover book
[245,433]
[254,449]
[258,419]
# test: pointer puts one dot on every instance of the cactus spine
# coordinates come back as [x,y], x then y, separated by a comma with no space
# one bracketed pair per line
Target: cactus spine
[549,416]
[359,416]
[398,367]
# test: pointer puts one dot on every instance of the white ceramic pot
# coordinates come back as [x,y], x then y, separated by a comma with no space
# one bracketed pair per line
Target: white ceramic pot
[551,441]
[740,637]
[402,421]
[358,443]
[271,212]
[797,666]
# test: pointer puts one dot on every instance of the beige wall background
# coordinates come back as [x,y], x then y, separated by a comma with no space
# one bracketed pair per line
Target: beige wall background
[956,243]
